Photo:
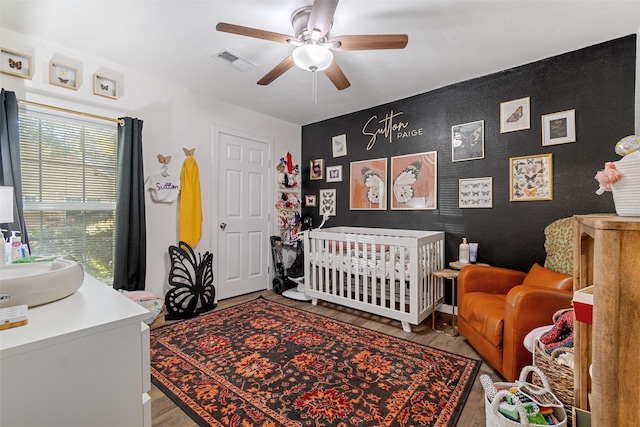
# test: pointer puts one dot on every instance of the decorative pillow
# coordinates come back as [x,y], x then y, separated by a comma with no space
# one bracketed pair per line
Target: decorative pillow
[559,246]
[542,277]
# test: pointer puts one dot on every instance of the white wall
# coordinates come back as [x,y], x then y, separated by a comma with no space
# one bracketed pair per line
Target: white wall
[173,118]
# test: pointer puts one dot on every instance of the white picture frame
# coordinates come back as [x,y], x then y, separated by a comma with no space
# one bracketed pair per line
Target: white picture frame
[339,145]
[559,128]
[334,173]
[475,193]
[515,115]
[467,141]
[327,202]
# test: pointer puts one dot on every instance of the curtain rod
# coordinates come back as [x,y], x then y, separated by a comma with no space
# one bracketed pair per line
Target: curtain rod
[65,110]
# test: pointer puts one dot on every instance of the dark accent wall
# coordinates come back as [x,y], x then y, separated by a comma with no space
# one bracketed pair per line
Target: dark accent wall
[597,81]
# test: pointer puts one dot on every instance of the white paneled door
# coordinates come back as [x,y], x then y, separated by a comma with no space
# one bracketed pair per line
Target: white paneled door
[243,221]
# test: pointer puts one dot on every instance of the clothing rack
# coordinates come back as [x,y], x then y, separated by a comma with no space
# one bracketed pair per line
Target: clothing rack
[66,110]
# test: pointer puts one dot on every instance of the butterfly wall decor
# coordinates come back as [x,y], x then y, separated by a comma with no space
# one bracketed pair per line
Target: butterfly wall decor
[515,115]
[414,183]
[15,64]
[368,188]
[531,177]
[328,202]
[475,192]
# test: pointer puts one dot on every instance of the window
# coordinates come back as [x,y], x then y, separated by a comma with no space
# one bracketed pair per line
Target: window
[69,189]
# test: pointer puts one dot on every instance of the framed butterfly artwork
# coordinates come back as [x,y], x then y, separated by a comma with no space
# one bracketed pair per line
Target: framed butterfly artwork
[467,141]
[16,63]
[559,128]
[310,200]
[475,192]
[414,182]
[368,185]
[328,202]
[63,75]
[531,178]
[334,173]
[339,145]
[105,86]
[515,115]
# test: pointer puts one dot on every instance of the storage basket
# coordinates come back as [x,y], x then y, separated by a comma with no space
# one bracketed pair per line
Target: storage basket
[495,419]
[626,191]
[560,377]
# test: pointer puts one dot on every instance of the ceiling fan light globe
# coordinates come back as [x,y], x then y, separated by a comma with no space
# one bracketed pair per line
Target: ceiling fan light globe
[312,57]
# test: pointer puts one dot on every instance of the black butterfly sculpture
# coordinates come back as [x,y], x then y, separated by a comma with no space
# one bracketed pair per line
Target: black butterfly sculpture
[191,280]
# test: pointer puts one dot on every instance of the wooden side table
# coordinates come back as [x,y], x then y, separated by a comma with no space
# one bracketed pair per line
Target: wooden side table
[457,265]
[452,275]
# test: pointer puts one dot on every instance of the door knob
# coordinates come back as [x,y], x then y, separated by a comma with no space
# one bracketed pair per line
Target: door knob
[223,226]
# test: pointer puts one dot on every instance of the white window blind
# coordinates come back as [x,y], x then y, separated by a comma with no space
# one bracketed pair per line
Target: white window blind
[69,188]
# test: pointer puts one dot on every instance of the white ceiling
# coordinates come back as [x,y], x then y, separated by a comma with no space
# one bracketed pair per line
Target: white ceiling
[449,41]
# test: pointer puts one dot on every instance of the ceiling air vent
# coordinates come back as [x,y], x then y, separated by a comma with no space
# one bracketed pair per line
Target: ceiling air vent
[234,60]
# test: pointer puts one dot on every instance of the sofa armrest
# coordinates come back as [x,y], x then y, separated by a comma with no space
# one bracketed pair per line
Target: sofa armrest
[527,307]
[492,280]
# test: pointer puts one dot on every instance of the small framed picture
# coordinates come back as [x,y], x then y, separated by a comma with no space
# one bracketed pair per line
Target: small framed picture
[559,128]
[334,173]
[467,141]
[515,115]
[531,178]
[16,63]
[63,75]
[105,86]
[475,192]
[339,145]
[310,200]
[316,167]
[328,202]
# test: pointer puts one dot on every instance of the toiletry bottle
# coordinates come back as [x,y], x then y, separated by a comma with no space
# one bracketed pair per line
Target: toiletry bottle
[463,255]
[5,249]
[16,246]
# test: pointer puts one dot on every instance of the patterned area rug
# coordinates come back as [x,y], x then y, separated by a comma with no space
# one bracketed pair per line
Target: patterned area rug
[265,364]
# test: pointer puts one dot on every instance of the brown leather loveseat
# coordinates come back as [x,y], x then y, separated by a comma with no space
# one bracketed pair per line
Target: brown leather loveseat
[497,307]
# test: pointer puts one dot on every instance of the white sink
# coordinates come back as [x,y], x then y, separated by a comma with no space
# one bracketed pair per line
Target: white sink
[38,283]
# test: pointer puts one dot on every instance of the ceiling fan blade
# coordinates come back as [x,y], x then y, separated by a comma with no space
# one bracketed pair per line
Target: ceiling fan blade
[277,71]
[371,42]
[337,77]
[253,32]
[321,17]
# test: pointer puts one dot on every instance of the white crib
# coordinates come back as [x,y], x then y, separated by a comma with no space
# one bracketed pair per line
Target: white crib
[381,271]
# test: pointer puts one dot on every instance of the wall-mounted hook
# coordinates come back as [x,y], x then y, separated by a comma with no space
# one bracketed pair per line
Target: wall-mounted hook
[189,153]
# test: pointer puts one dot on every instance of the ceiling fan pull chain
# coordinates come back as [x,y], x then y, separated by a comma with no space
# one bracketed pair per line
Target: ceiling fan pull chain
[314,90]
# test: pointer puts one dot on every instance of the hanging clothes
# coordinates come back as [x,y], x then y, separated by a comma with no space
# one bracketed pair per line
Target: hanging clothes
[190,202]
[164,189]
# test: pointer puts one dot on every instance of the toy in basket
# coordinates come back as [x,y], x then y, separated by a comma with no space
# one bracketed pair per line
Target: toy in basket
[522,403]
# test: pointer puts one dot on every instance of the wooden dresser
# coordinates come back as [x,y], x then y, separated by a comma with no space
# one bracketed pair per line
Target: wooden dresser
[607,255]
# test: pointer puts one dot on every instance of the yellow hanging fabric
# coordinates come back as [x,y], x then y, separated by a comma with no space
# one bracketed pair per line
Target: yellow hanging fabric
[190,203]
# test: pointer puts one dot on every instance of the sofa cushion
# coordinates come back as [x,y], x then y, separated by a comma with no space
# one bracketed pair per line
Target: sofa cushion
[485,312]
[542,277]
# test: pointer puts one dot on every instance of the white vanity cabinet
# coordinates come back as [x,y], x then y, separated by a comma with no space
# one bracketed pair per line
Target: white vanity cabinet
[80,361]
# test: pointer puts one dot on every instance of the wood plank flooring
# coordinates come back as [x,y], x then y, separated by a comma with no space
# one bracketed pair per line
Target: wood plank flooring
[166,414]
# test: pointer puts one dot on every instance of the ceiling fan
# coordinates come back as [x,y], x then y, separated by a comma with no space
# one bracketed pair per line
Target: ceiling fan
[313,52]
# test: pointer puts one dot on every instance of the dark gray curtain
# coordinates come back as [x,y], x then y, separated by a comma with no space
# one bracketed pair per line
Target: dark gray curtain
[130,261]
[10,172]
